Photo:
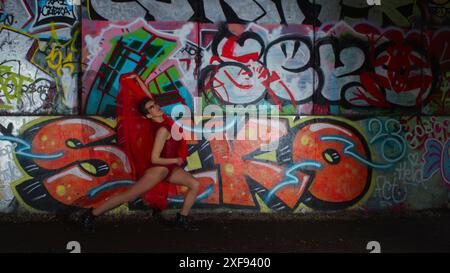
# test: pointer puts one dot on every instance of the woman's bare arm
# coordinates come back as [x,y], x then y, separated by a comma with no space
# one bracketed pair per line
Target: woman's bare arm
[142,85]
[160,140]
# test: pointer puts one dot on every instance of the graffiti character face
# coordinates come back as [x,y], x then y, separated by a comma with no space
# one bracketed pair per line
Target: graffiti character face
[238,83]
[404,71]
[403,74]
[334,178]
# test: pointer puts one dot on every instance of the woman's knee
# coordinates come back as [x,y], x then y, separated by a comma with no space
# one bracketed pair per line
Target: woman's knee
[126,197]
[194,185]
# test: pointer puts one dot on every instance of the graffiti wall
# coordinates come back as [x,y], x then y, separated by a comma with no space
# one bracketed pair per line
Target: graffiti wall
[54,164]
[402,13]
[164,55]
[337,69]
[39,56]
[360,89]
[59,164]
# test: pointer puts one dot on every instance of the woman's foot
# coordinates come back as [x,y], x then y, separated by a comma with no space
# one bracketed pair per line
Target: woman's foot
[87,220]
[182,223]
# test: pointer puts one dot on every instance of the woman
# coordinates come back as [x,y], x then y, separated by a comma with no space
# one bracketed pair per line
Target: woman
[165,162]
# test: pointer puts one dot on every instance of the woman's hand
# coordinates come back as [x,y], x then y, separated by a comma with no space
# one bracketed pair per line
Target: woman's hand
[180,161]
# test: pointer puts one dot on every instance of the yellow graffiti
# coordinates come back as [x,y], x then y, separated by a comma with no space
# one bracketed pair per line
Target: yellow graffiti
[11,85]
[263,208]
[56,61]
[61,54]
[390,9]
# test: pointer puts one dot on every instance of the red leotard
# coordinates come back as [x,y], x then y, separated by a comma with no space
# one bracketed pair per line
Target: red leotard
[136,134]
[170,149]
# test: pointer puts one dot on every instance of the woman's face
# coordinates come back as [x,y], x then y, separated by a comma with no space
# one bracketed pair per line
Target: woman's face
[153,109]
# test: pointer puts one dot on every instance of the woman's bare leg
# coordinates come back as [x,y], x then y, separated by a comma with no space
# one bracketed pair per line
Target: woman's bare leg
[151,177]
[181,177]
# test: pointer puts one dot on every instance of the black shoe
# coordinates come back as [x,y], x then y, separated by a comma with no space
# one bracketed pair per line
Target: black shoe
[182,223]
[156,213]
[87,220]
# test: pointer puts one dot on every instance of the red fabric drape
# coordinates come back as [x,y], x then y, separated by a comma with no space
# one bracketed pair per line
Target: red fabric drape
[136,136]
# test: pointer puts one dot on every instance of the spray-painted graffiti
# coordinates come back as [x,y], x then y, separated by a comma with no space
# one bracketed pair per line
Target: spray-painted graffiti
[321,163]
[401,74]
[8,169]
[46,35]
[437,158]
[5,18]
[24,86]
[355,68]
[402,13]
[60,58]
[445,88]
[344,69]
[337,69]
[435,12]
[410,171]
[68,163]
[57,164]
[61,11]
[138,47]
[244,69]
[394,190]
[35,15]
[418,130]
[304,57]
[18,14]
[323,148]
[388,139]
[390,192]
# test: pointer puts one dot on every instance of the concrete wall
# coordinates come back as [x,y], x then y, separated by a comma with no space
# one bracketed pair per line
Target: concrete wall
[361,93]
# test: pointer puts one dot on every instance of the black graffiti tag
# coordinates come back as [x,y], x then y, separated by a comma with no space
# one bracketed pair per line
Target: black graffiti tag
[55,11]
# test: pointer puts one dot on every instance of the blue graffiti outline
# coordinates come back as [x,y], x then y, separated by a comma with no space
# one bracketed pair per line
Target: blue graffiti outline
[295,181]
[26,146]
[108,186]
[3,16]
[347,151]
[437,159]
[204,195]
[387,137]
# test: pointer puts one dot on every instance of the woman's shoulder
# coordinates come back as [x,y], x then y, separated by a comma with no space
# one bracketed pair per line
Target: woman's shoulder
[166,124]
[159,127]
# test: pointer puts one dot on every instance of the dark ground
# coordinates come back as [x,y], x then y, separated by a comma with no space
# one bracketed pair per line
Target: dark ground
[424,231]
